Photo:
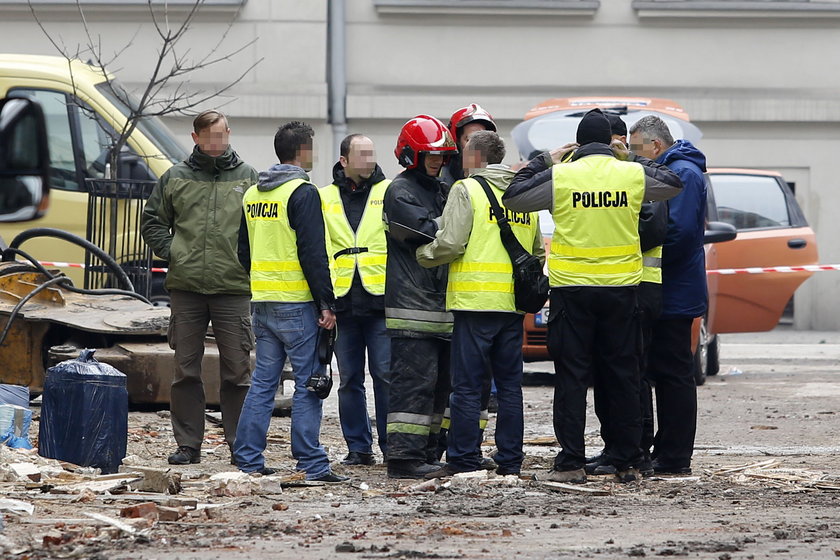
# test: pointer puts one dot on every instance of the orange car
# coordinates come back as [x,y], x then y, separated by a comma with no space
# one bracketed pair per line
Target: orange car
[771,229]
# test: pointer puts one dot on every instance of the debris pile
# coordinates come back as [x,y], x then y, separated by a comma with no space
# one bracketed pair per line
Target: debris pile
[769,473]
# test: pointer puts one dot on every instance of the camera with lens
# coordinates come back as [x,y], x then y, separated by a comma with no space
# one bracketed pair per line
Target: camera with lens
[321,383]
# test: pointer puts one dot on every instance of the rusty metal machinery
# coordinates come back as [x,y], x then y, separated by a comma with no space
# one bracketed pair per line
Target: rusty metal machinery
[55,323]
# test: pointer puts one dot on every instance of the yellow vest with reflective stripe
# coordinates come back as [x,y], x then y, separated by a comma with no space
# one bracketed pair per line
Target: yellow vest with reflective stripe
[596,223]
[482,278]
[652,265]
[276,274]
[370,234]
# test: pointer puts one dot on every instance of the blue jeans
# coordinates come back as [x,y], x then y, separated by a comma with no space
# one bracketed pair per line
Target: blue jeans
[355,334]
[481,342]
[283,329]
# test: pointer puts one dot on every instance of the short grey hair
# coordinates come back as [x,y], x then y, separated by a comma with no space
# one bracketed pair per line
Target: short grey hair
[489,144]
[652,127]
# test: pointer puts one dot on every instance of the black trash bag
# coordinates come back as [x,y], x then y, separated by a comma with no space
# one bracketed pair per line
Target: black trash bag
[84,414]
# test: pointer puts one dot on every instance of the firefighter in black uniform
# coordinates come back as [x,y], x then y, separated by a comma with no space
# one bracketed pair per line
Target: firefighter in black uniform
[415,300]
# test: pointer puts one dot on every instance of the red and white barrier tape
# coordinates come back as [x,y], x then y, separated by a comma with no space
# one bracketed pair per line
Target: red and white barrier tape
[766,269]
[719,271]
[77,265]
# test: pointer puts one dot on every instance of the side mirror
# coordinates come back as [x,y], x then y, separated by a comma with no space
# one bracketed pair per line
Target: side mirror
[24,161]
[133,166]
[716,232]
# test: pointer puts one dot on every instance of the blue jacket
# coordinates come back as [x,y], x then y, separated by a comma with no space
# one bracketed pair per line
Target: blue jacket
[684,292]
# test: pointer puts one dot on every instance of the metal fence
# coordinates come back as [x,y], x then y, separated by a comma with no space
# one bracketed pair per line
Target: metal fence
[115,207]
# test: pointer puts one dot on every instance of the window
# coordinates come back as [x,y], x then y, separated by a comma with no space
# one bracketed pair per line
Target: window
[750,201]
[737,8]
[125,3]
[489,7]
[59,137]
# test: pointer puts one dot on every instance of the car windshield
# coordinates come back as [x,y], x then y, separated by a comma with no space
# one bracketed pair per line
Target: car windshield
[546,223]
[555,129]
[151,127]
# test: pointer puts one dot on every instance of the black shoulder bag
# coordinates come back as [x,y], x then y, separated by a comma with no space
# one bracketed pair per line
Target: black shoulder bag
[530,284]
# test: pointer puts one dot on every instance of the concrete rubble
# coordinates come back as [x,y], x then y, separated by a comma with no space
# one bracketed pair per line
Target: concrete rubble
[152,510]
[134,502]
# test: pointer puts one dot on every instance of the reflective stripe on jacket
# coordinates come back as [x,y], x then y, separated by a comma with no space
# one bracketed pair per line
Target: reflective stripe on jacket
[482,278]
[596,215]
[276,274]
[652,265]
[364,249]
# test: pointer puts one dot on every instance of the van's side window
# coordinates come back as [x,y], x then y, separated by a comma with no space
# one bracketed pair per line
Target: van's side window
[62,160]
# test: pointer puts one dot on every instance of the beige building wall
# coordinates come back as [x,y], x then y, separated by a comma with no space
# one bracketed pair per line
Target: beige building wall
[757,77]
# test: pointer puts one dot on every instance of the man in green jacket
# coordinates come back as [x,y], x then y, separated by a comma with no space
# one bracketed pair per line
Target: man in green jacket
[192,220]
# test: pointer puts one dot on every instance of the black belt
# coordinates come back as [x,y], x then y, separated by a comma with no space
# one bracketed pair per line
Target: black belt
[351,251]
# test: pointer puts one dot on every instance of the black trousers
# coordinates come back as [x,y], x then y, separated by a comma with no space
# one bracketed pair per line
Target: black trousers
[589,325]
[671,370]
[417,397]
[649,297]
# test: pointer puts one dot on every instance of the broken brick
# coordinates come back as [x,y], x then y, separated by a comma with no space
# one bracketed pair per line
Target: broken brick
[146,509]
[170,513]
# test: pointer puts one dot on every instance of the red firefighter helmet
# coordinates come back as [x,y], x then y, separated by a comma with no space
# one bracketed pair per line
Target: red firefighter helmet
[423,134]
[471,113]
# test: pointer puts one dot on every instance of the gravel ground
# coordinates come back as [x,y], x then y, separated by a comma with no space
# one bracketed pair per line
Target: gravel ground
[776,399]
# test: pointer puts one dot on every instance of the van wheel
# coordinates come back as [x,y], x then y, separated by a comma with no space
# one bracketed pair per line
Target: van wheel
[713,356]
[701,356]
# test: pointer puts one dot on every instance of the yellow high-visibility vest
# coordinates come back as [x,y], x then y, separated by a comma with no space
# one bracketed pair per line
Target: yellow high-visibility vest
[596,223]
[364,249]
[652,265]
[482,278]
[276,274]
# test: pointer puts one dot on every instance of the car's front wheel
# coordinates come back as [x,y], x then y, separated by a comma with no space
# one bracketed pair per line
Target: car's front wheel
[713,355]
[701,355]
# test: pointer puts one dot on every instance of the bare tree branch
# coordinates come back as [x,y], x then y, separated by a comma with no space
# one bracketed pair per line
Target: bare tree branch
[223,38]
[195,100]
[227,57]
[166,90]
[59,48]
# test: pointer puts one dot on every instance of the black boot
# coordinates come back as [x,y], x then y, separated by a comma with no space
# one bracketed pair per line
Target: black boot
[409,469]
[185,456]
[598,461]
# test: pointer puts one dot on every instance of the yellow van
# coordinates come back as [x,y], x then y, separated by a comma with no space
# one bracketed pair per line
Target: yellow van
[81,112]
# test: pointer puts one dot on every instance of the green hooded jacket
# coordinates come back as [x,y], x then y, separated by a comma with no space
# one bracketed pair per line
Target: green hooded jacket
[192,220]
